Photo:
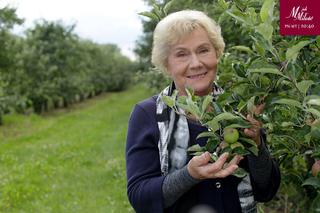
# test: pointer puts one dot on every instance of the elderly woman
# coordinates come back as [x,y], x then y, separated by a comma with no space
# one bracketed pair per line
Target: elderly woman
[161,176]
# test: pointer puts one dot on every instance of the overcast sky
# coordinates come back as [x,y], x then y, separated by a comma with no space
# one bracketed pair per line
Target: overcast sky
[102,21]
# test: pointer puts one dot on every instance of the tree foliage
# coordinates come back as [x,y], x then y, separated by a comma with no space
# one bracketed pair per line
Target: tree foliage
[260,67]
[51,66]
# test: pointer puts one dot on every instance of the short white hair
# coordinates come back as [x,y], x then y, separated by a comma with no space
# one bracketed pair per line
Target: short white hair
[176,26]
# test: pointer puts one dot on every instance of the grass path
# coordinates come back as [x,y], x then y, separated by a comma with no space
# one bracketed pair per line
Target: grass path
[71,160]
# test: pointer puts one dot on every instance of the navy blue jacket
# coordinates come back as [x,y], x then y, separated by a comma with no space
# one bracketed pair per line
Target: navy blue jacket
[144,179]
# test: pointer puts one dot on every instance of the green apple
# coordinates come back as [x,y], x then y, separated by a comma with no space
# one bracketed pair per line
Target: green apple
[230,135]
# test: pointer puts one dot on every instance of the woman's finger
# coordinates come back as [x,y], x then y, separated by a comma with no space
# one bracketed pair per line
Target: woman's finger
[227,171]
[235,160]
[253,121]
[218,165]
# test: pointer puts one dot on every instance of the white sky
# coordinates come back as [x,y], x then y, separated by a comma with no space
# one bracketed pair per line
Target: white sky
[102,21]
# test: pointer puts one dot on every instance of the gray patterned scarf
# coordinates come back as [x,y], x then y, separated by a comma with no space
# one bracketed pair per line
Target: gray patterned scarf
[174,141]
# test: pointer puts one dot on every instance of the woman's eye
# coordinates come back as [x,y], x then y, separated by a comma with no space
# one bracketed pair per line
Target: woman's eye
[204,50]
[181,54]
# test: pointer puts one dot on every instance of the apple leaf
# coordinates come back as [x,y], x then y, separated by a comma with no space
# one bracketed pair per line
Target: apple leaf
[206,134]
[224,116]
[254,150]
[197,153]
[238,126]
[207,100]
[265,30]
[315,205]
[212,144]
[248,141]
[290,102]
[214,156]
[267,70]
[168,100]
[303,86]
[167,7]
[150,15]
[292,52]
[242,48]
[313,111]
[266,12]
[312,181]
[250,105]
[313,100]
[195,148]
[240,172]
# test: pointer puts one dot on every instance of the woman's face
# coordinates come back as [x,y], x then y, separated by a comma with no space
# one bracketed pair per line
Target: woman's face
[192,62]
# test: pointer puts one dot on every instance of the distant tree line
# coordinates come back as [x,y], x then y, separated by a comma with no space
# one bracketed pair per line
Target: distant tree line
[50,66]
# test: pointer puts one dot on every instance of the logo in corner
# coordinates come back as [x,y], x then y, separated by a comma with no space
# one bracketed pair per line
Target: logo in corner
[299,17]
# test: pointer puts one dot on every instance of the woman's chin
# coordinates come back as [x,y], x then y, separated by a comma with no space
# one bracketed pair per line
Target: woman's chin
[201,91]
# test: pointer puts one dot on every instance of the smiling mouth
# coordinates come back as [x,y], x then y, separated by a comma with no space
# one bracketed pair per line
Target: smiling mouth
[197,76]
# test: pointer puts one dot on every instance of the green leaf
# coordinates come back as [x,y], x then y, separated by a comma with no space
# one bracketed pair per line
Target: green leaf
[182,99]
[313,100]
[314,112]
[217,108]
[242,48]
[250,105]
[315,205]
[168,100]
[292,52]
[266,12]
[240,172]
[247,141]
[290,102]
[236,145]
[287,124]
[157,10]
[258,47]
[239,69]
[190,92]
[195,148]
[239,16]
[224,116]
[206,134]
[267,70]
[212,144]
[265,30]
[238,126]
[196,153]
[254,150]
[213,125]
[207,100]
[303,86]
[167,7]
[214,157]
[193,108]
[312,181]
[223,4]
[150,15]
[318,41]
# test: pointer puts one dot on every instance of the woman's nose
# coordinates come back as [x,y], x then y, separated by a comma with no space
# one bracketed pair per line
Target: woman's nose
[194,61]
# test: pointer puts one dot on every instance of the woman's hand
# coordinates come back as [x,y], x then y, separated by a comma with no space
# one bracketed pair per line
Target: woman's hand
[199,167]
[254,131]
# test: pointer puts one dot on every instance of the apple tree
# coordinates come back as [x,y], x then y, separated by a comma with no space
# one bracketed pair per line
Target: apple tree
[276,79]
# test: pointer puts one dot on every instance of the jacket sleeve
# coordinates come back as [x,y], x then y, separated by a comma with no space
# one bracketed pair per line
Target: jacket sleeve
[144,180]
[264,173]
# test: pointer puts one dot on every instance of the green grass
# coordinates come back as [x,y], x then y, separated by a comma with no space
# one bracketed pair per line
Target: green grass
[70,160]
